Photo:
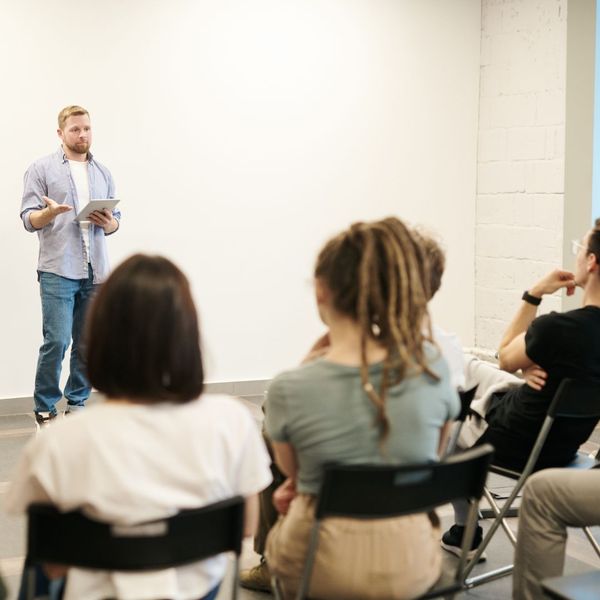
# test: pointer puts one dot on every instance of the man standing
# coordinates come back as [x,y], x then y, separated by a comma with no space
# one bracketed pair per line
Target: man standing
[72,259]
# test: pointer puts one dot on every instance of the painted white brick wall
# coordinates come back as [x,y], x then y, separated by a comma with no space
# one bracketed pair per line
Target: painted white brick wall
[520,170]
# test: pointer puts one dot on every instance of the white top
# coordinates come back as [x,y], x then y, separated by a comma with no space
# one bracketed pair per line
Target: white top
[130,463]
[79,172]
[452,351]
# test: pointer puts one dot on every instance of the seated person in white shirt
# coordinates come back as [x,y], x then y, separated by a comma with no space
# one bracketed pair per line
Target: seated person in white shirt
[157,445]
[449,343]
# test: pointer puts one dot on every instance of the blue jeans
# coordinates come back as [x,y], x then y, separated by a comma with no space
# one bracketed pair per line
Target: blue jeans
[46,589]
[64,302]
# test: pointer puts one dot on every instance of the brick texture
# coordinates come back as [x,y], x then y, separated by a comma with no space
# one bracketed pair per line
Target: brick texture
[520,170]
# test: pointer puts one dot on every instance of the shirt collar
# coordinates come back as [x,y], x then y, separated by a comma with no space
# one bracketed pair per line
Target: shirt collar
[64,159]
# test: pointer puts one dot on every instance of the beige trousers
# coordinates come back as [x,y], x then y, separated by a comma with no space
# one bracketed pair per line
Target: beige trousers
[394,559]
[553,500]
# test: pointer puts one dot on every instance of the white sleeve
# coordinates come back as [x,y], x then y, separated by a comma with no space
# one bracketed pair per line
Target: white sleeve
[452,351]
[27,481]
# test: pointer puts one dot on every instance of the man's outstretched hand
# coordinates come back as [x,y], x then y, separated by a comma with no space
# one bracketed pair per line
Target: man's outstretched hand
[55,208]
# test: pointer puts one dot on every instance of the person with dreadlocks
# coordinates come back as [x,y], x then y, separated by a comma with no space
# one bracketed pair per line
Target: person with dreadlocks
[380,393]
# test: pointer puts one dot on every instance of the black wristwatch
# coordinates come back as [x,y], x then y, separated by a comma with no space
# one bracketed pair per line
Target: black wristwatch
[531,299]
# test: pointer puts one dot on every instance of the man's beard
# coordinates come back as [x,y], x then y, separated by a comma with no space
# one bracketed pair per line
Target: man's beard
[79,148]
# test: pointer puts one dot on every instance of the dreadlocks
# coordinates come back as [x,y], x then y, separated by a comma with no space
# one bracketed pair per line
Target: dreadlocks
[377,275]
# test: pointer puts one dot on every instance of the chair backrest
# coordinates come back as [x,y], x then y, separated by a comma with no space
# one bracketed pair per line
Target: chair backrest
[380,491]
[576,398]
[188,536]
[466,397]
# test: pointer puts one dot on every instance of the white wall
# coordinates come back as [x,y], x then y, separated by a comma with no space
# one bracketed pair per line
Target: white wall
[521,157]
[241,135]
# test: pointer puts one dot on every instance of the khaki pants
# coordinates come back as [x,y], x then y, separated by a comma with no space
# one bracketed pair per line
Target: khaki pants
[553,500]
[395,558]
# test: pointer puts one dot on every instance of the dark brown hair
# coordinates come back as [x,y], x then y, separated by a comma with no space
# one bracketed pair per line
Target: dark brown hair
[142,334]
[377,275]
[436,260]
[594,241]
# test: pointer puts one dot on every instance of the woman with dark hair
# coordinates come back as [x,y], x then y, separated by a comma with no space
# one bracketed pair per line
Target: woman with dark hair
[157,444]
[379,393]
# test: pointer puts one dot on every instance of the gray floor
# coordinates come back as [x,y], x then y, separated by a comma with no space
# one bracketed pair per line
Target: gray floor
[16,429]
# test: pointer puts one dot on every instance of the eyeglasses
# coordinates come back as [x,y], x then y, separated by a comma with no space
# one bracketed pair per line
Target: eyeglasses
[576,247]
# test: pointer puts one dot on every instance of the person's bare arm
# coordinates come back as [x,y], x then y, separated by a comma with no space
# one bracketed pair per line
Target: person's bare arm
[251,515]
[511,354]
[444,435]
[285,458]
[41,218]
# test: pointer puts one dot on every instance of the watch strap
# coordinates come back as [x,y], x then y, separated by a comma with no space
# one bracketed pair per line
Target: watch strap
[531,299]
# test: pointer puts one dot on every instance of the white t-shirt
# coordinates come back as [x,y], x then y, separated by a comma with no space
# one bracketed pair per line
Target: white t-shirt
[130,463]
[452,351]
[79,172]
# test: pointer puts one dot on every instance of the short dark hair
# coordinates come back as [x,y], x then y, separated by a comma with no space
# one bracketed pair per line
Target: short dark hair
[142,335]
[594,241]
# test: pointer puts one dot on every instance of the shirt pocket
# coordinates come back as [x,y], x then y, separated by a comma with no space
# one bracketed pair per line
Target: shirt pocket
[59,190]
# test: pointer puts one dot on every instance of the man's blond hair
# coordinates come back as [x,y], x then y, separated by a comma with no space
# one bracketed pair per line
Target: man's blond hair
[70,111]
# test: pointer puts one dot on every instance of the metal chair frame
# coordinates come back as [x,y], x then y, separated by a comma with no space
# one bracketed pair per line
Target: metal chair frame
[574,399]
[466,397]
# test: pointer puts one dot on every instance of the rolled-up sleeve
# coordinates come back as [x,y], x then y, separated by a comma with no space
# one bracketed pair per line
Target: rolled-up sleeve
[34,188]
[116,213]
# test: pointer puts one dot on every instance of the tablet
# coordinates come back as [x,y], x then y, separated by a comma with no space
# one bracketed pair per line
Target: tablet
[92,205]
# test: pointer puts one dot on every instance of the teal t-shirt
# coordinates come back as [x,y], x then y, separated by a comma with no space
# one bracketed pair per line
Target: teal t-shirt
[321,409]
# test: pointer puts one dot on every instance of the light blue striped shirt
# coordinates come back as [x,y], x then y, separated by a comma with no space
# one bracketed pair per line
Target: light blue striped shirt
[62,249]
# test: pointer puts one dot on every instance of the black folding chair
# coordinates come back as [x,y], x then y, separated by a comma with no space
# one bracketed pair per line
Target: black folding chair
[574,399]
[466,397]
[383,491]
[75,540]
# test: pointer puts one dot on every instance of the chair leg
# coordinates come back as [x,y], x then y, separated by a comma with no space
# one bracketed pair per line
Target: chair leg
[30,581]
[466,545]
[276,588]
[496,509]
[452,441]
[592,540]
[310,559]
[492,530]
[235,580]
[488,513]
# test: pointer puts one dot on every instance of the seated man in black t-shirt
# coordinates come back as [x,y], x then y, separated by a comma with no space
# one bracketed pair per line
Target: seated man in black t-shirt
[563,345]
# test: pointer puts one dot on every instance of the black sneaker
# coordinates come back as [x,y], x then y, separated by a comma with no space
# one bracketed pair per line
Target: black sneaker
[453,538]
[43,419]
